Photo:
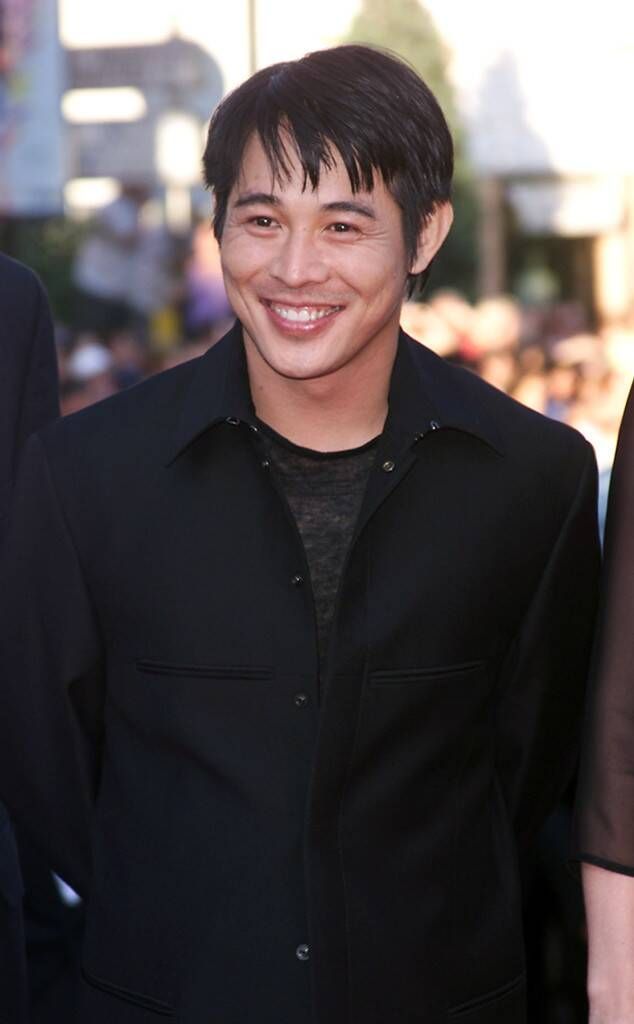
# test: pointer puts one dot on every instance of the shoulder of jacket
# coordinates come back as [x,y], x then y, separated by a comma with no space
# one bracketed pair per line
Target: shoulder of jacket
[524,428]
[124,424]
[15,275]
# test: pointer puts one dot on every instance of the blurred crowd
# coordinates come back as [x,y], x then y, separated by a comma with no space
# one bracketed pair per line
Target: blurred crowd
[144,300]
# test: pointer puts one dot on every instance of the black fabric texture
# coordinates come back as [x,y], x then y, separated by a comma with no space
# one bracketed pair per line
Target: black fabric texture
[151,736]
[324,491]
[604,820]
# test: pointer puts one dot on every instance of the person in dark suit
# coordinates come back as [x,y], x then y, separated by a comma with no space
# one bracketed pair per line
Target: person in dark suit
[28,400]
[308,617]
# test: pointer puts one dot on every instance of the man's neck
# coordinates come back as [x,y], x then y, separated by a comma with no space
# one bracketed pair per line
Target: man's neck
[342,411]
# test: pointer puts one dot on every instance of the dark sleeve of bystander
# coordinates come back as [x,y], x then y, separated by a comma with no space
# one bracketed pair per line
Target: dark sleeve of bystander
[604,829]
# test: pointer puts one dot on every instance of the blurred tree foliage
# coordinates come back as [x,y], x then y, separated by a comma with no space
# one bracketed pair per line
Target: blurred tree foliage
[407,29]
[48,246]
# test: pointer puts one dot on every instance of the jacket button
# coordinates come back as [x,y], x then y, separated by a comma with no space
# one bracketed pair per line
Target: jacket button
[301,700]
[388,466]
[434,425]
[297,580]
[232,420]
[303,952]
[265,463]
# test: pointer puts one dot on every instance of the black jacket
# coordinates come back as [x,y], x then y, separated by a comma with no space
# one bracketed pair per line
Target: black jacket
[249,860]
[28,400]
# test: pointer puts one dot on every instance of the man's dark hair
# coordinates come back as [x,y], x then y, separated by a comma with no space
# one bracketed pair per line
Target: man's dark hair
[364,103]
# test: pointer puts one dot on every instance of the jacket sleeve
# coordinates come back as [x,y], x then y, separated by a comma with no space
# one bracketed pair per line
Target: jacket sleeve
[604,819]
[51,673]
[543,679]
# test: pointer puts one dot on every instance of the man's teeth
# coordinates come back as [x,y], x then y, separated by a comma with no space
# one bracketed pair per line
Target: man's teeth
[304,315]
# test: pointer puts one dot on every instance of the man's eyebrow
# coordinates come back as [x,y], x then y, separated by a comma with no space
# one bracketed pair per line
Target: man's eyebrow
[339,206]
[350,206]
[253,198]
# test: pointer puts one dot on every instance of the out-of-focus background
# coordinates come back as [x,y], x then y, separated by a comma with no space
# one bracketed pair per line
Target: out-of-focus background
[103,110]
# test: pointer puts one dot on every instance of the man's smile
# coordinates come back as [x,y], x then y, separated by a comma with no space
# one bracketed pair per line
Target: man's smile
[304,317]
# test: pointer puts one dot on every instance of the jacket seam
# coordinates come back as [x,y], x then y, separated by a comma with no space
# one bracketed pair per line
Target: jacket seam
[127,995]
[150,667]
[380,676]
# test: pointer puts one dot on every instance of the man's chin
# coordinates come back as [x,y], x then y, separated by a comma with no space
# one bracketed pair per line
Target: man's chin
[305,373]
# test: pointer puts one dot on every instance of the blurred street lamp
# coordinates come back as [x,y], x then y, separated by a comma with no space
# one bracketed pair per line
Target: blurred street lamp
[82,196]
[97,106]
[178,161]
[252,30]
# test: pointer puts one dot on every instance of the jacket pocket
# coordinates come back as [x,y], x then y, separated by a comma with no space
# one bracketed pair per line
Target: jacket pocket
[503,1005]
[390,677]
[141,1001]
[163,668]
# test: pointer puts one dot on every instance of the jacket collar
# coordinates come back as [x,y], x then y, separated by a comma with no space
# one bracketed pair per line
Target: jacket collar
[218,391]
[425,394]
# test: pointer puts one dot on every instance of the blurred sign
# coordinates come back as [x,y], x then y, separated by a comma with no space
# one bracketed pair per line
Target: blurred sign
[175,63]
[573,208]
[31,166]
[116,150]
[178,149]
[176,75]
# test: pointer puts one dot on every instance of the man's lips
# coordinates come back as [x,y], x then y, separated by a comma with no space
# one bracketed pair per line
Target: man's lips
[301,313]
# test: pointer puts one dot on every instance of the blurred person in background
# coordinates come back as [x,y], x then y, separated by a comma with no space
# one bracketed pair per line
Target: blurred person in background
[562,388]
[287,801]
[496,325]
[88,374]
[423,324]
[206,309]
[105,264]
[34,920]
[151,285]
[500,368]
[458,314]
[530,390]
[131,360]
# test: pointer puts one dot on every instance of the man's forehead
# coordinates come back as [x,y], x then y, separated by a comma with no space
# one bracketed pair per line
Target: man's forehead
[258,174]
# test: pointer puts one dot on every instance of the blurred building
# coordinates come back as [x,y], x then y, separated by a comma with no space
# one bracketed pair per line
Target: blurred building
[542,89]
[136,114]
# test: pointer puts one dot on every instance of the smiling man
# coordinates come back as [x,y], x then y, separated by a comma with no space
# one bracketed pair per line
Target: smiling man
[296,636]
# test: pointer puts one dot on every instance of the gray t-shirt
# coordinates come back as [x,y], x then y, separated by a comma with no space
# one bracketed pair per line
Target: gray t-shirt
[324,491]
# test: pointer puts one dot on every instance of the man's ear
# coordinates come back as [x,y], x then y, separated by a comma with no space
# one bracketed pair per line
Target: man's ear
[432,236]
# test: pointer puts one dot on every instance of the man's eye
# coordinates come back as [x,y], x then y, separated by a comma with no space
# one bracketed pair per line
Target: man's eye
[262,222]
[341,229]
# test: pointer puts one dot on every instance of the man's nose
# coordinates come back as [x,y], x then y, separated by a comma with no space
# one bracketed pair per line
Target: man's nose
[298,261]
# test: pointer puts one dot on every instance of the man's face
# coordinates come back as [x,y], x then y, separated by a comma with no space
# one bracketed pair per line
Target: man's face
[316,277]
